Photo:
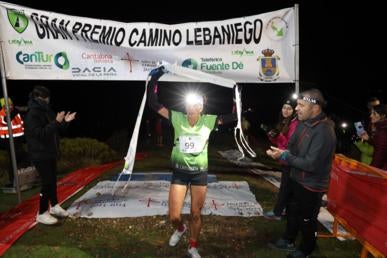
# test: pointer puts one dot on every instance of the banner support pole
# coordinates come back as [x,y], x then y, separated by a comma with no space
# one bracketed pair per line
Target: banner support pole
[9,123]
[296,50]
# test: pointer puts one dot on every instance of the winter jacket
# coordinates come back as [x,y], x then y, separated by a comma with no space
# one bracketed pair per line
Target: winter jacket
[42,131]
[379,141]
[310,153]
[366,151]
[282,139]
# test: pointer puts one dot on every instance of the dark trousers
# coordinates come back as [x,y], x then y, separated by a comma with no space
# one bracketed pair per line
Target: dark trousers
[302,210]
[47,172]
[283,194]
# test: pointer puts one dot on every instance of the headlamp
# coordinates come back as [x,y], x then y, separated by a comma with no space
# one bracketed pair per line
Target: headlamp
[310,100]
[193,99]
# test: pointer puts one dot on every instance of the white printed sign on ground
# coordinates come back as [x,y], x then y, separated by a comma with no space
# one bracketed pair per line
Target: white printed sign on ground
[274,177]
[148,198]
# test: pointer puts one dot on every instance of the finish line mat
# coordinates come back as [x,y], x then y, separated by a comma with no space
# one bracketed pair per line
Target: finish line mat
[148,198]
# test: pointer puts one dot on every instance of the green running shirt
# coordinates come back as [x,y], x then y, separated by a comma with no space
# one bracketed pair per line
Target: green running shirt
[190,151]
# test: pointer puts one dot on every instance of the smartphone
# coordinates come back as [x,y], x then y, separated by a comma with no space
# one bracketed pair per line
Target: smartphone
[359,128]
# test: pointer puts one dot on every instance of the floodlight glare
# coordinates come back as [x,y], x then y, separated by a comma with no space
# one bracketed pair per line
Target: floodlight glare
[294,96]
[344,125]
[193,99]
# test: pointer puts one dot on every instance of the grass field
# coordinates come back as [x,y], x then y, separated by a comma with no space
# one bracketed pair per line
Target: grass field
[148,236]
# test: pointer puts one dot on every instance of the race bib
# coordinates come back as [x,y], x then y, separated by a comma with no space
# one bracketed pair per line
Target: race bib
[191,144]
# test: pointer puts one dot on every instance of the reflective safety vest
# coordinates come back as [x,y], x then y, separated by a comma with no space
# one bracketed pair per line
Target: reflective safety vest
[17,125]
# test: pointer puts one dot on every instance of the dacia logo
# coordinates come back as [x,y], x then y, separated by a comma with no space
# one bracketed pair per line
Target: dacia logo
[17,19]
[95,69]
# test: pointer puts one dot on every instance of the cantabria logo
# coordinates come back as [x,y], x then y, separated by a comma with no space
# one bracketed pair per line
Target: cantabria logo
[190,63]
[17,19]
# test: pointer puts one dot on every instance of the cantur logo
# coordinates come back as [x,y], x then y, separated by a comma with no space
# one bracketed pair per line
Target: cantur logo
[62,61]
[39,57]
[17,19]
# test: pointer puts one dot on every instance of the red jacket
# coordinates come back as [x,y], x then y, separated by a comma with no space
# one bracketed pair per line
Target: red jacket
[17,125]
[281,140]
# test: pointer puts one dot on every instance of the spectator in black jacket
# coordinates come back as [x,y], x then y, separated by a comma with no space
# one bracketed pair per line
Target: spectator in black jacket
[309,156]
[42,128]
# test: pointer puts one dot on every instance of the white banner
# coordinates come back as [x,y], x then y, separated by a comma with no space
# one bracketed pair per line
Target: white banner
[148,198]
[46,45]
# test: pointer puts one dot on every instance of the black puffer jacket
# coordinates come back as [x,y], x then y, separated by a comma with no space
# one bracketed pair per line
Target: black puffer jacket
[42,131]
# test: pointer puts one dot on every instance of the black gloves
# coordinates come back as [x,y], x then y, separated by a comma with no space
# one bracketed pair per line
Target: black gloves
[157,73]
[152,92]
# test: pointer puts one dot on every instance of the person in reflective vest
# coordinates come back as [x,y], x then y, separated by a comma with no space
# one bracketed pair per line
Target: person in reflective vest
[17,133]
[16,120]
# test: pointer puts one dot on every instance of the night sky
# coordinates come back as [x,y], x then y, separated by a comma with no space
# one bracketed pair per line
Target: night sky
[341,49]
